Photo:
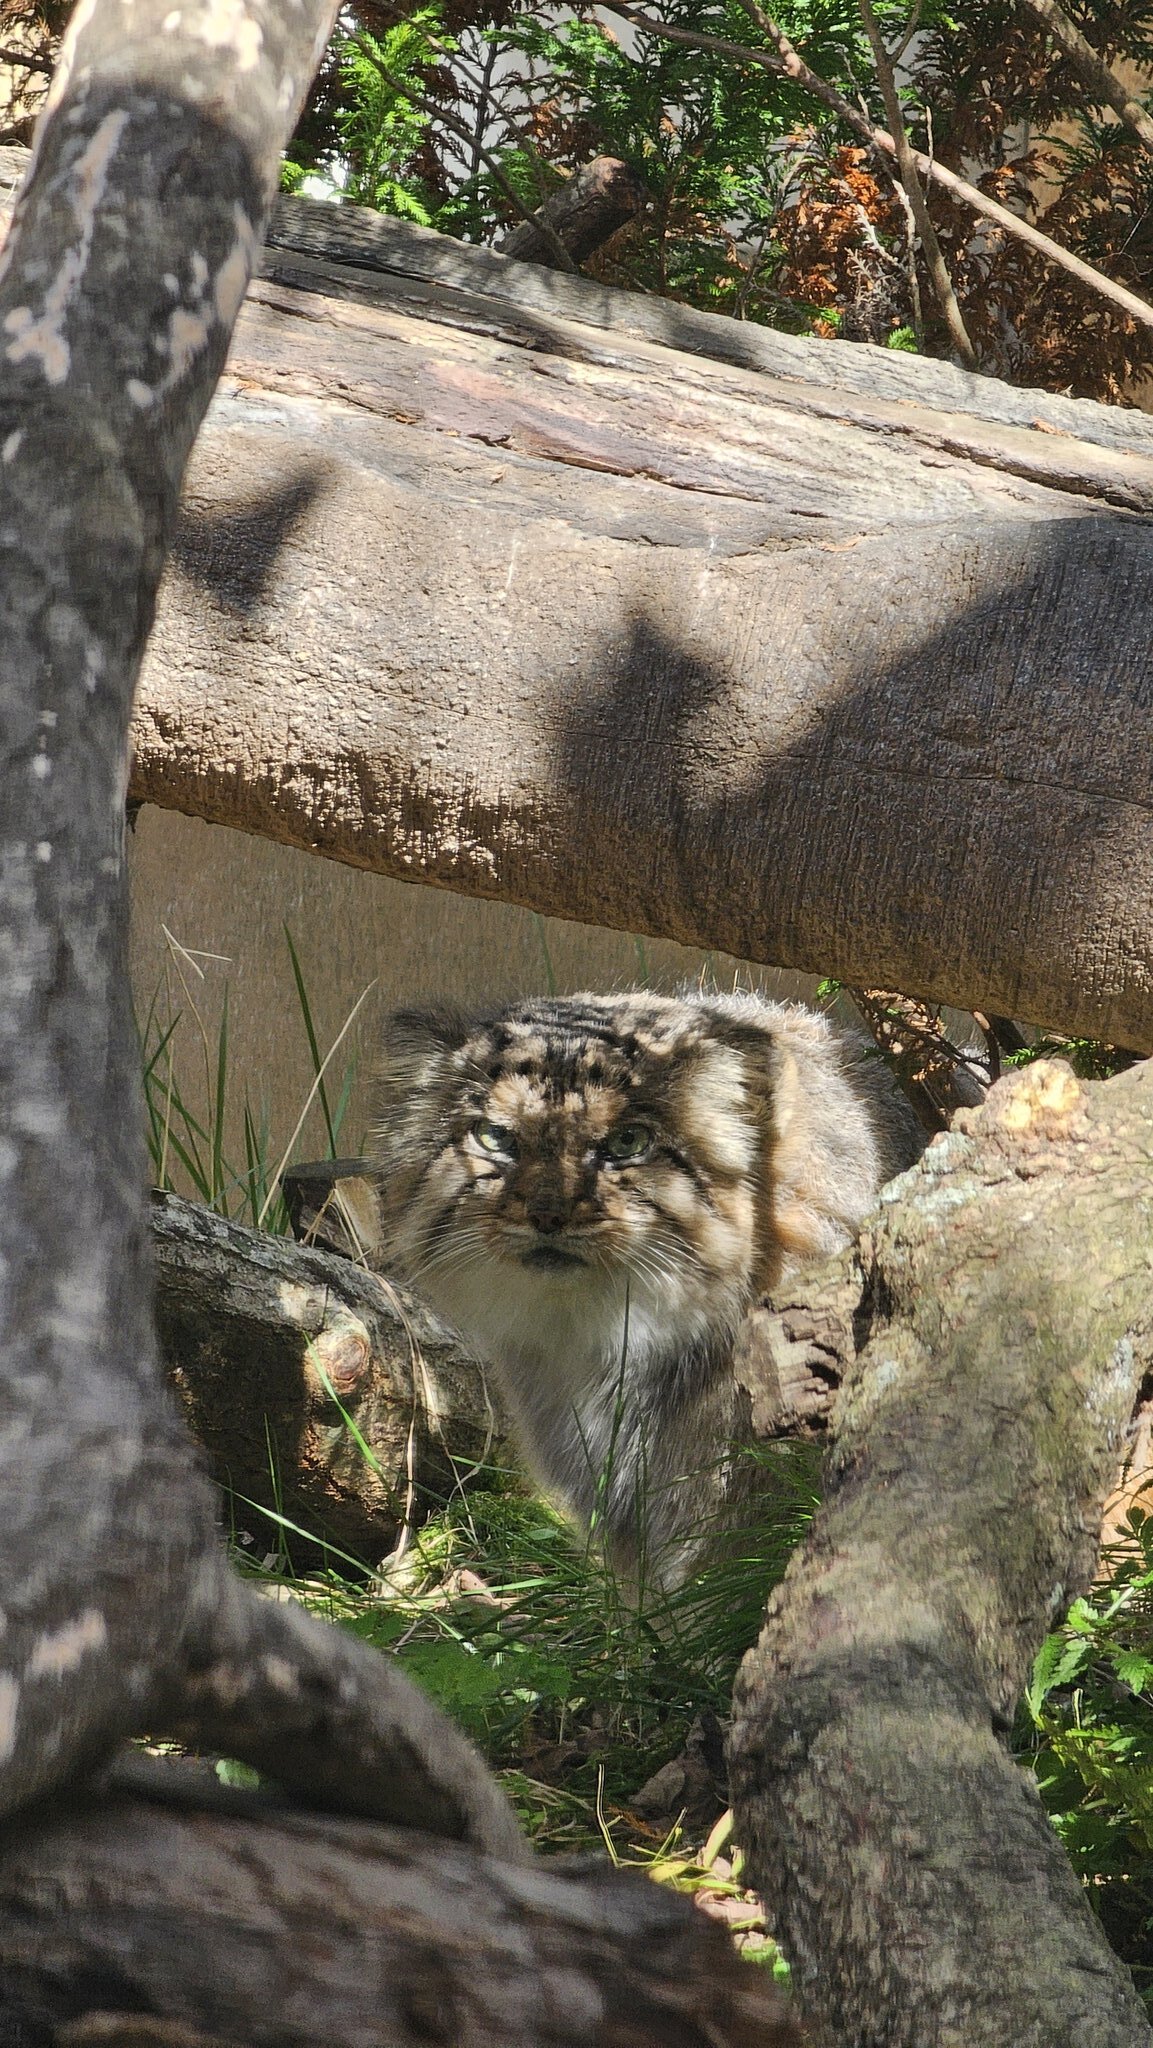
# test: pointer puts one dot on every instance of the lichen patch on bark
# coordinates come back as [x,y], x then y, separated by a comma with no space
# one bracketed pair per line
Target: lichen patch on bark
[60,1650]
[42,337]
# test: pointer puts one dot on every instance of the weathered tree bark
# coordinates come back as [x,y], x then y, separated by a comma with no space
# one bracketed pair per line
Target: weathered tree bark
[1004,1326]
[127,261]
[177,1903]
[288,1362]
[596,201]
[820,654]
[118,289]
[120,283]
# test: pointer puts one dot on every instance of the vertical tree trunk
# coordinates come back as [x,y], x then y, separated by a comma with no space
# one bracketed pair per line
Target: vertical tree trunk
[1007,1310]
[128,258]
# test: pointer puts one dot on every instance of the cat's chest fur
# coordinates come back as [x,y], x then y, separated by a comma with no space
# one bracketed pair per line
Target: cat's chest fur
[593,1367]
[592,1190]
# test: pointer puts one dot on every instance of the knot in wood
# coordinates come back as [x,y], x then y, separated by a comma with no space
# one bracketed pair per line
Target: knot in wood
[338,1359]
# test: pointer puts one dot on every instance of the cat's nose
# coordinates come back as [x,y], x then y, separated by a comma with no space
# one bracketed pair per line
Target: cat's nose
[547,1213]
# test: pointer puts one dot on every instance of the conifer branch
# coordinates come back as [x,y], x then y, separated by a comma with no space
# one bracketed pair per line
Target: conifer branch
[1092,70]
[785,62]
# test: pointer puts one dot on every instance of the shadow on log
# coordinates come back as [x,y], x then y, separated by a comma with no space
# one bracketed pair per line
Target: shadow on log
[835,598]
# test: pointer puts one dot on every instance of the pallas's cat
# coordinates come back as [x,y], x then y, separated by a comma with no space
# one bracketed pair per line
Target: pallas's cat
[593,1189]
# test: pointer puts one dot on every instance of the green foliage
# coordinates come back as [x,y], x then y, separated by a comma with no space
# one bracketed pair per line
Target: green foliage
[703,133]
[381,129]
[1087,1729]
[1090,1058]
[762,205]
[190,1097]
[523,1634]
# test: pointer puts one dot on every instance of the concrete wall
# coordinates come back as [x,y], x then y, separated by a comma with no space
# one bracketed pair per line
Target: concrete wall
[209,908]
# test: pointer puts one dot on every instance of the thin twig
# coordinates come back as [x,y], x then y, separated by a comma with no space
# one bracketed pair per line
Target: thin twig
[1092,69]
[937,266]
[27,60]
[483,102]
[432,107]
[992,1046]
[786,63]
[911,261]
[911,27]
[482,83]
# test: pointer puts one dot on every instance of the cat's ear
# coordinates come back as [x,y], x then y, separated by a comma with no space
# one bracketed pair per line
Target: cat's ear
[418,1046]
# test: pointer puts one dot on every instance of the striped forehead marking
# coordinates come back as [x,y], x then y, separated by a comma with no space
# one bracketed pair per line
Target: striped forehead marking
[588,1041]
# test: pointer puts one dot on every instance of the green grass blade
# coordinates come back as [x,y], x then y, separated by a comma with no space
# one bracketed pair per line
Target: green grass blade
[549,971]
[219,1104]
[313,1043]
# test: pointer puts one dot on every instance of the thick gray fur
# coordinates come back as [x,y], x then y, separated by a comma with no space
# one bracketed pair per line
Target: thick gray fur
[606,1292]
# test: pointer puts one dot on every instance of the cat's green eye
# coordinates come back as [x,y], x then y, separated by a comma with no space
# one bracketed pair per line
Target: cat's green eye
[628,1141]
[494,1138]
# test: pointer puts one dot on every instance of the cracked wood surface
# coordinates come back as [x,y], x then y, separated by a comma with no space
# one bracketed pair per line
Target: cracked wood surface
[813,653]
[170,1913]
[1002,1348]
[119,285]
[287,1361]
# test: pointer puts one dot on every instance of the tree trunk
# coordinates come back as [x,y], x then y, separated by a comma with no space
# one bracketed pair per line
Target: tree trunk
[596,201]
[1004,1317]
[123,272]
[213,1918]
[990,1406]
[823,655]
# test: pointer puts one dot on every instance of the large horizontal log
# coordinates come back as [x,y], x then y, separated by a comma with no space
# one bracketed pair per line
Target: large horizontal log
[815,653]
[169,1914]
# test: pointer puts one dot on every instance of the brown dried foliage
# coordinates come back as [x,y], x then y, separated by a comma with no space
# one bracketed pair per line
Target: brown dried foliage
[842,245]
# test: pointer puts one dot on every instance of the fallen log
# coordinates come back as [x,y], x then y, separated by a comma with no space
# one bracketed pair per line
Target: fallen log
[168,1912]
[997,1352]
[324,1398]
[820,654]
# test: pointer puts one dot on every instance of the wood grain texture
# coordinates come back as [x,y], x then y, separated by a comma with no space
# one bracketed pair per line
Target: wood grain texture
[1002,1335]
[809,652]
[180,1907]
[131,248]
[288,1362]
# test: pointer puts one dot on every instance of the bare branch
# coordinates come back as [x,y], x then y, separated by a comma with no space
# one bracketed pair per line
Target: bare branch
[27,60]
[937,1076]
[787,63]
[938,268]
[1092,70]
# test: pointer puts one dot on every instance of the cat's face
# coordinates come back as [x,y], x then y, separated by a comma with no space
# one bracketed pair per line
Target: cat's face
[567,1148]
